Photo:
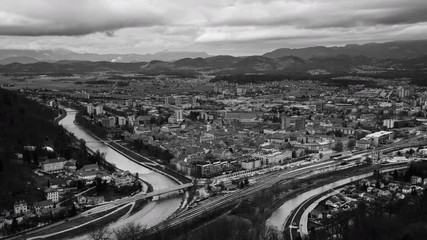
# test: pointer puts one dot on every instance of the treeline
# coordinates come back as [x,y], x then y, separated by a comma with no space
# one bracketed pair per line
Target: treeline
[151,150]
[86,123]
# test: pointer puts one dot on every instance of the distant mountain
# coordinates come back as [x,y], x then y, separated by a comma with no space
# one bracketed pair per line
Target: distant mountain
[22,56]
[23,59]
[395,50]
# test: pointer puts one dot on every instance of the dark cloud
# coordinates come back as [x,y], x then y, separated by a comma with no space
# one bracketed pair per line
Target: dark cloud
[76,17]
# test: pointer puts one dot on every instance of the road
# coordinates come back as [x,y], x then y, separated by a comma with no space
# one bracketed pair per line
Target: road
[297,221]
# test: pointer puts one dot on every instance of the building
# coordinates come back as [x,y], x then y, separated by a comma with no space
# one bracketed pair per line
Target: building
[81,95]
[52,195]
[123,178]
[86,175]
[389,123]
[416,180]
[178,101]
[168,100]
[178,115]
[54,165]
[121,121]
[90,167]
[403,93]
[300,124]
[285,122]
[109,122]
[47,204]
[250,164]
[99,110]
[378,138]
[90,109]
[20,207]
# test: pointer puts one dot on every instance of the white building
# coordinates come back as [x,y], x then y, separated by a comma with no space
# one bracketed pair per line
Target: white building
[52,194]
[121,121]
[99,110]
[378,137]
[90,109]
[178,115]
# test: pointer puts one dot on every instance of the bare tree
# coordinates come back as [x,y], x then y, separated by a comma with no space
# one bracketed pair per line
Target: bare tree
[101,233]
[130,231]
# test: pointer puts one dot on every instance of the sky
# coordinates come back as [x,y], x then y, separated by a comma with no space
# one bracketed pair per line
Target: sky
[231,27]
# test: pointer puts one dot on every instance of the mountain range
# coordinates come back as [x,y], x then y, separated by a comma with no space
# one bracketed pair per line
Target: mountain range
[366,58]
[8,56]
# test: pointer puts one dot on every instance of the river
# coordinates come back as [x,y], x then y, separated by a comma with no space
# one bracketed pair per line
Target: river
[154,212]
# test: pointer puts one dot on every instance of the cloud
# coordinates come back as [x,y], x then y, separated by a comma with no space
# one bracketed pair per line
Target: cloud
[321,14]
[76,17]
[220,26]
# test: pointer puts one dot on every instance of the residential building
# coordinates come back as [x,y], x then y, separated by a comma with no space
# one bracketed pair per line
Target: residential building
[20,207]
[52,194]
[54,165]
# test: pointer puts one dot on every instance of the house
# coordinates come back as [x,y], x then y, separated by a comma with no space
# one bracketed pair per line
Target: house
[369,189]
[47,204]
[400,196]
[81,199]
[416,180]
[406,189]
[19,219]
[425,181]
[5,213]
[123,178]
[70,165]
[20,207]
[393,187]
[87,175]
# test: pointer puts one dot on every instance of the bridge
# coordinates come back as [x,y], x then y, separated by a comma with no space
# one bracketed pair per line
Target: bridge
[167,190]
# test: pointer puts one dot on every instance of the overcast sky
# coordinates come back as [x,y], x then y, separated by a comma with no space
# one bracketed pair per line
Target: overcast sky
[237,27]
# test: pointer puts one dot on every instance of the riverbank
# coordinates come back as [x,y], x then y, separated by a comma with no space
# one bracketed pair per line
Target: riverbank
[60,117]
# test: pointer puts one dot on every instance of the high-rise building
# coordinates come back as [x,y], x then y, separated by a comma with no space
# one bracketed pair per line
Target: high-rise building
[300,124]
[168,100]
[403,93]
[178,101]
[178,115]
[99,110]
[89,109]
[285,122]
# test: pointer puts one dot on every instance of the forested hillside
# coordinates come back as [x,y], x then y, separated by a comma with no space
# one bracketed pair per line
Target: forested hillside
[24,122]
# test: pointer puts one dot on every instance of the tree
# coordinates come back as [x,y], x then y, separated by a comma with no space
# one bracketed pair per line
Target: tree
[395,175]
[351,144]
[130,231]
[338,146]
[101,233]
[73,211]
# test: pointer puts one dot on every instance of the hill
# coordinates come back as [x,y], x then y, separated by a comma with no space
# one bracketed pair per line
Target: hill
[395,50]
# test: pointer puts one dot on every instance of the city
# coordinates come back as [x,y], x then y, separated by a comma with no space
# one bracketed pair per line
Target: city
[327,140]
